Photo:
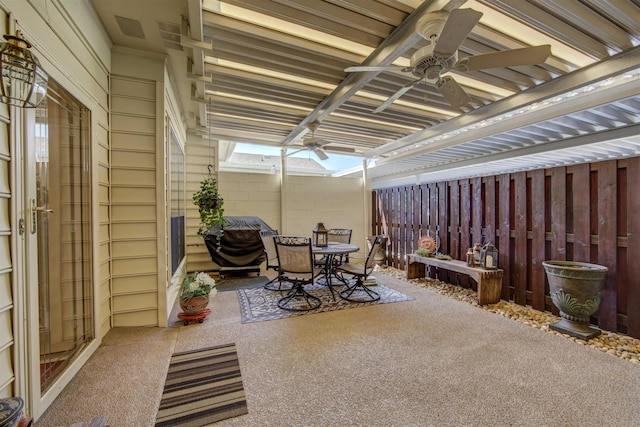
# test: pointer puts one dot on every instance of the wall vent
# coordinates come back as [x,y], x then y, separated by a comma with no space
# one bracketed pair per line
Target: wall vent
[130,27]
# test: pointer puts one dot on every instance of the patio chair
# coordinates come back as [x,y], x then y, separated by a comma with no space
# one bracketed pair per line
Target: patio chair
[336,235]
[295,259]
[358,291]
[271,256]
[340,235]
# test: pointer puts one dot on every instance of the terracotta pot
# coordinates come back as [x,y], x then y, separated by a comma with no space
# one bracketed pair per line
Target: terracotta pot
[194,305]
[575,289]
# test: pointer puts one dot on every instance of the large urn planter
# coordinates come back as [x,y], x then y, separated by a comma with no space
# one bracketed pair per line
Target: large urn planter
[575,289]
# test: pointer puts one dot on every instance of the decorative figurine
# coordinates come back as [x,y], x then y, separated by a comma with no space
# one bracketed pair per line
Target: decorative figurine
[470,260]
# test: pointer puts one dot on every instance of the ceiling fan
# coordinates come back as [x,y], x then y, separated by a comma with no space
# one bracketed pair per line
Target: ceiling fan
[317,146]
[446,32]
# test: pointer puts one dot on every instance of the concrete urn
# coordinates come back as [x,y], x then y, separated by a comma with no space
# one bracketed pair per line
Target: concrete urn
[575,289]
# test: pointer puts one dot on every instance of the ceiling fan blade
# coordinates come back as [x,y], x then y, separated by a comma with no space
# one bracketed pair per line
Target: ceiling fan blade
[404,89]
[338,148]
[374,68]
[321,154]
[457,28]
[452,91]
[508,58]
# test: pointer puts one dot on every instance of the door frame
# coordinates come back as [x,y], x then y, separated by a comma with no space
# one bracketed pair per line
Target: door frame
[26,322]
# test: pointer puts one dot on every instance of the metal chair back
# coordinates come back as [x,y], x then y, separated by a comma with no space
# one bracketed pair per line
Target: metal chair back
[339,235]
[269,247]
[359,291]
[295,256]
[377,242]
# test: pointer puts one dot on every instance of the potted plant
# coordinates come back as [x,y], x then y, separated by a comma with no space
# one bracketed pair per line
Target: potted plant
[195,292]
[210,207]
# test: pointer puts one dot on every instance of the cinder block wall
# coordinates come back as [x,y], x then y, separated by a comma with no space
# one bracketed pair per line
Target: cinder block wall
[337,202]
[251,194]
[303,201]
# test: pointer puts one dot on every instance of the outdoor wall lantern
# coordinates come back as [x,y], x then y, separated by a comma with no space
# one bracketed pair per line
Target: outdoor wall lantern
[489,257]
[23,81]
[320,235]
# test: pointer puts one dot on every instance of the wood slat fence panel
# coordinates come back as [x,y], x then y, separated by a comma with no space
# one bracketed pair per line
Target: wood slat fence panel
[476,212]
[454,220]
[558,214]
[607,242]
[585,212]
[581,224]
[402,225]
[463,235]
[633,247]
[538,239]
[433,215]
[520,257]
[503,242]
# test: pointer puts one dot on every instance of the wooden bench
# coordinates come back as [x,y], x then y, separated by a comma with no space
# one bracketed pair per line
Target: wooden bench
[489,281]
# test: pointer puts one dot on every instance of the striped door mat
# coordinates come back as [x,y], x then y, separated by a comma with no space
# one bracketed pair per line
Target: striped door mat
[202,387]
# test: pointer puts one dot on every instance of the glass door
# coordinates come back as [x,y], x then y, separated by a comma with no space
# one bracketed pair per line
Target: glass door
[58,242]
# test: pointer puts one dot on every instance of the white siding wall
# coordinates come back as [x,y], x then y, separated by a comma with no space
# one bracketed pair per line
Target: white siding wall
[173,116]
[134,202]
[103,175]
[74,50]
[7,302]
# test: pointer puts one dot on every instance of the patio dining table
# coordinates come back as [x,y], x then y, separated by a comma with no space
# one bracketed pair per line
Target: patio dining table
[331,251]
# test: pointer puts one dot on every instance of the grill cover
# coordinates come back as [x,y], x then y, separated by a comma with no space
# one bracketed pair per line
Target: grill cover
[240,245]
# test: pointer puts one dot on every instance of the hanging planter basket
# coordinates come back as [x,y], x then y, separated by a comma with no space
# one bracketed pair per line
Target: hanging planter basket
[210,207]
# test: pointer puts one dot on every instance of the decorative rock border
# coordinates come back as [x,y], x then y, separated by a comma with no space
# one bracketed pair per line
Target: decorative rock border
[622,346]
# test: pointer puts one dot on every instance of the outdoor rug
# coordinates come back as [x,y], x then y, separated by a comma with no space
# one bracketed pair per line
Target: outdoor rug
[231,283]
[202,387]
[259,304]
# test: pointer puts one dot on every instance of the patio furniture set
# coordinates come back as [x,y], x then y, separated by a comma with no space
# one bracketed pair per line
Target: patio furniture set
[299,263]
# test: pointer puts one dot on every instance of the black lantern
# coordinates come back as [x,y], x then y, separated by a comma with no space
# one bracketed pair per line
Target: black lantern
[23,81]
[489,257]
[320,235]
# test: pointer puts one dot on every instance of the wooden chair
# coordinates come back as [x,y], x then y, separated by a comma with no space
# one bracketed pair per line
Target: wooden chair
[296,265]
[358,291]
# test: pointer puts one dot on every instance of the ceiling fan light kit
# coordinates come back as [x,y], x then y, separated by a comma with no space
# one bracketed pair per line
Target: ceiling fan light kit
[446,31]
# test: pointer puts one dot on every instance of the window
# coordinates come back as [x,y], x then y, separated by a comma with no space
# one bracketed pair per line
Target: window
[177,200]
[62,202]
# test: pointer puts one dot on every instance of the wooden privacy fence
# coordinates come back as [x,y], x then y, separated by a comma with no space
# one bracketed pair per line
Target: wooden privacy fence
[587,212]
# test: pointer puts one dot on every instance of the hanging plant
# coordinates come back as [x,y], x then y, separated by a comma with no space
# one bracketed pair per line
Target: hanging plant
[210,206]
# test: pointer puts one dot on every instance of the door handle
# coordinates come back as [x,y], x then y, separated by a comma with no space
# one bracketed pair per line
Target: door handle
[43,209]
[34,214]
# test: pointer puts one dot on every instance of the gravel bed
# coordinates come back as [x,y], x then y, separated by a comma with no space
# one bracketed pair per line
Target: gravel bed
[612,343]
